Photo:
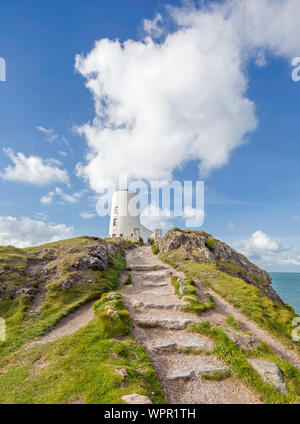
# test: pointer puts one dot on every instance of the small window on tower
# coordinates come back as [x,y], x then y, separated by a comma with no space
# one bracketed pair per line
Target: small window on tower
[115,222]
[116,210]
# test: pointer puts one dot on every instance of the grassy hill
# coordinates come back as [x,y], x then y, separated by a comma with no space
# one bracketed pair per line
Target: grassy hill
[82,367]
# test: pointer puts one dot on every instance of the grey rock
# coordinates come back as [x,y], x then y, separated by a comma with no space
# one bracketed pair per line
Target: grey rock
[68,284]
[165,346]
[210,369]
[180,375]
[97,260]
[136,399]
[243,340]
[123,372]
[29,291]
[182,288]
[270,373]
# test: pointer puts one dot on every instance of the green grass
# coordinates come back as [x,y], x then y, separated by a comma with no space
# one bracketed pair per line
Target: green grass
[22,327]
[236,359]
[195,305]
[250,300]
[232,323]
[128,280]
[80,367]
[210,244]
[216,375]
[155,250]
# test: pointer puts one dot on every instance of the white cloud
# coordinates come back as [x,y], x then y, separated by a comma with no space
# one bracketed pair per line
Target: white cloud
[261,240]
[87,215]
[33,170]
[64,197]
[27,232]
[160,104]
[48,198]
[68,198]
[265,251]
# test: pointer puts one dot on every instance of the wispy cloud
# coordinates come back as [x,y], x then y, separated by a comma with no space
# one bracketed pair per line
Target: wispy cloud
[88,215]
[62,196]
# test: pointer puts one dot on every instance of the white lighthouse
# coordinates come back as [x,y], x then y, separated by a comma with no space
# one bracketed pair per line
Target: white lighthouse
[125,218]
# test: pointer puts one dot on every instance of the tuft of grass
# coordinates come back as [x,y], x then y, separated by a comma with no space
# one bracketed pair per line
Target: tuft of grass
[151,241]
[210,244]
[155,250]
[232,322]
[128,280]
[217,375]
[195,305]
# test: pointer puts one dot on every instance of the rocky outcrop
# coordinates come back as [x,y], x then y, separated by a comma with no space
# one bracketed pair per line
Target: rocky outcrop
[202,247]
[96,260]
[28,291]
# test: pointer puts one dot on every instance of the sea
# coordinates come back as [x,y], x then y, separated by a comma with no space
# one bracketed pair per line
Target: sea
[287,285]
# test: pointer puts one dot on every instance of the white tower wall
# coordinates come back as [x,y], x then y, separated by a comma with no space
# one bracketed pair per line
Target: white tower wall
[122,222]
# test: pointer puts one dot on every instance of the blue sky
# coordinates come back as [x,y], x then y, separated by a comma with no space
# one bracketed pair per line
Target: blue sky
[44,99]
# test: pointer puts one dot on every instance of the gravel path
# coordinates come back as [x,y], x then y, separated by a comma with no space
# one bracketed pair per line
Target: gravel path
[68,325]
[150,299]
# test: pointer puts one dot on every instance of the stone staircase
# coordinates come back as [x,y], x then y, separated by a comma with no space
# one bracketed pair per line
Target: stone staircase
[179,357]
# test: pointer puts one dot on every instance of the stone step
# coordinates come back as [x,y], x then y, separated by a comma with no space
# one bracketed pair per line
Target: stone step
[211,370]
[152,305]
[155,284]
[145,268]
[180,375]
[170,323]
[157,293]
[188,343]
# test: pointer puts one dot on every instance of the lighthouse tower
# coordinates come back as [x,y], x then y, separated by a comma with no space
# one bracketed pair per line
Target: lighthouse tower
[123,223]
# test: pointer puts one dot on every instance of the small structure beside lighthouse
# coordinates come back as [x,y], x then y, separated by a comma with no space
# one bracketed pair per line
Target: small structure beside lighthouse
[125,218]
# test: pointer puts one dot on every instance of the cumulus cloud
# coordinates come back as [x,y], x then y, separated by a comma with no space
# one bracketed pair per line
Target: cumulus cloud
[27,232]
[161,103]
[265,251]
[33,170]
